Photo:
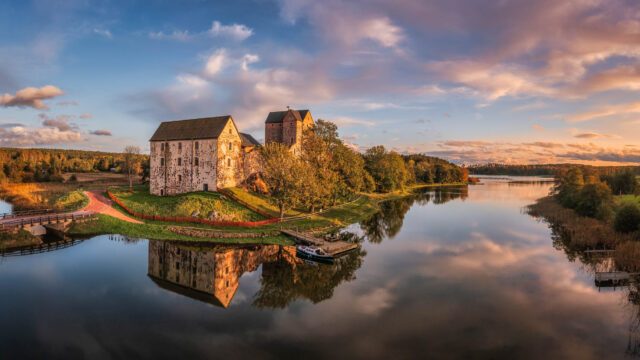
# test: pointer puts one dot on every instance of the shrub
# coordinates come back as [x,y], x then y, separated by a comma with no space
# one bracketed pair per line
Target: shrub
[594,200]
[627,218]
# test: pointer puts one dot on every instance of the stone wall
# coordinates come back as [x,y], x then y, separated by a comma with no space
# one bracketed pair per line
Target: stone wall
[273,132]
[181,172]
[230,164]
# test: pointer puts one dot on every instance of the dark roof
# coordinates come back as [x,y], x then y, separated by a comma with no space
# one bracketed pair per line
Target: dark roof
[248,140]
[277,116]
[204,128]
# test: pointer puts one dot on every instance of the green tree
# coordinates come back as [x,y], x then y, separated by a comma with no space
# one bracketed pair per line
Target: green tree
[387,169]
[627,218]
[285,176]
[594,200]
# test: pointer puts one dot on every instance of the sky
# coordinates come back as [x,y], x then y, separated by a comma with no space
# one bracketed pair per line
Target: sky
[472,81]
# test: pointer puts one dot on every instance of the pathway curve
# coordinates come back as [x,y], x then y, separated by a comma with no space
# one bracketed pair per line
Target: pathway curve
[100,204]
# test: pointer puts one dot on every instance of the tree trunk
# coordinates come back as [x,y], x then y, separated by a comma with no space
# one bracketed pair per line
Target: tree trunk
[281,212]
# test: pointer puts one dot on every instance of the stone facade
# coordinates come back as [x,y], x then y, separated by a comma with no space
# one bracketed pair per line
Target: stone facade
[210,153]
[212,271]
[287,127]
[204,163]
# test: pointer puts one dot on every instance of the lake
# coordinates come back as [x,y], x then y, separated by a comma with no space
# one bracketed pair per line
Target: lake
[449,273]
[5,207]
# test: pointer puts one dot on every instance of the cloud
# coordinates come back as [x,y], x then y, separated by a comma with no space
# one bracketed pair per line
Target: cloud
[100,132]
[605,111]
[31,97]
[536,152]
[67,103]
[237,32]
[103,32]
[177,35]
[85,116]
[23,136]
[61,122]
[592,135]
[215,62]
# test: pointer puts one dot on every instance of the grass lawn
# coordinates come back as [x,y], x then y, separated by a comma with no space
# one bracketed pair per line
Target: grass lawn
[109,225]
[623,199]
[140,200]
[261,202]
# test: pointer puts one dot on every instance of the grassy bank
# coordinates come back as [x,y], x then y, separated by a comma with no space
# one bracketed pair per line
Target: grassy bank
[201,203]
[19,239]
[62,196]
[109,225]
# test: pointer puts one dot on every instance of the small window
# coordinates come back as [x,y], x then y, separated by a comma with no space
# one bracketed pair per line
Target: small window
[227,283]
[230,131]
[161,161]
[179,146]
[177,265]
[230,146]
[228,162]
[197,146]
[179,178]
[162,147]
[179,161]
[196,162]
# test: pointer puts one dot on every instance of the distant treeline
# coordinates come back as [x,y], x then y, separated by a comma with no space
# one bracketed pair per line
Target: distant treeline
[546,169]
[42,165]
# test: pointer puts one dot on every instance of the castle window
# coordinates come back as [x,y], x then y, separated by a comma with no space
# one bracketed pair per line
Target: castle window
[162,147]
[179,178]
[179,161]
[197,162]
[179,146]
[228,162]
[230,131]
[161,161]
[230,146]
[197,146]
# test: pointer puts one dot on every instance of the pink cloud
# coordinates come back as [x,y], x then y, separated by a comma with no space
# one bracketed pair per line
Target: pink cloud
[30,97]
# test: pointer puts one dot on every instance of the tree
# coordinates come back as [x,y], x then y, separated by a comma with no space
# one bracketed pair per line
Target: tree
[594,200]
[387,168]
[322,179]
[567,186]
[627,218]
[131,163]
[284,174]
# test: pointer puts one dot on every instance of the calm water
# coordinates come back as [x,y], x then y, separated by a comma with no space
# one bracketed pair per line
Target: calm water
[5,207]
[448,274]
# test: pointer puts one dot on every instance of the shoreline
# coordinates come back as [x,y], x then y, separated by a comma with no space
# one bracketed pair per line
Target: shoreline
[332,219]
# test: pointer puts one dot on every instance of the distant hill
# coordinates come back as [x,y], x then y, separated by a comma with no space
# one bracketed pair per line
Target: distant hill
[27,165]
[543,169]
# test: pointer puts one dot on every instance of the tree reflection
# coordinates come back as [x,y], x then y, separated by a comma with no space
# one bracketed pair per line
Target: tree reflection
[285,281]
[387,222]
[212,273]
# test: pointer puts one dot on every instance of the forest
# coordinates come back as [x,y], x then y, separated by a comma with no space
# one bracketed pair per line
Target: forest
[44,165]
[545,169]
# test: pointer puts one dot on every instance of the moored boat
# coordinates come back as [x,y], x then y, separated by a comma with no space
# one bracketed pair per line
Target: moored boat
[313,253]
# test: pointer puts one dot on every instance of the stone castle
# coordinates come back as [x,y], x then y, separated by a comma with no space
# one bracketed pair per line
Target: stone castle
[210,153]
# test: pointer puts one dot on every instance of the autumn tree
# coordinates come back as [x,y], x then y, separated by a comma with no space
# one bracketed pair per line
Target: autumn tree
[285,175]
[131,163]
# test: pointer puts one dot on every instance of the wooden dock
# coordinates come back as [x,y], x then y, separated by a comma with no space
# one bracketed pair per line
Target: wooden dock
[333,248]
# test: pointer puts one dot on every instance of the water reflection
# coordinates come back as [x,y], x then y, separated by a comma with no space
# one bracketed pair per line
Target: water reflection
[212,273]
[389,220]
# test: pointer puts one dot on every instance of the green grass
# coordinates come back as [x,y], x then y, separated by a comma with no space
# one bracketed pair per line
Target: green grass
[71,201]
[108,225]
[261,202]
[140,200]
[623,199]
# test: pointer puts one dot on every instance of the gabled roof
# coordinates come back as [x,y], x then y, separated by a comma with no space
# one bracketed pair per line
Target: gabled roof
[203,128]
[278,116]
[248,140]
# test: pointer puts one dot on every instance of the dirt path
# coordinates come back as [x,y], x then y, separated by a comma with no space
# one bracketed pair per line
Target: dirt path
[100,204]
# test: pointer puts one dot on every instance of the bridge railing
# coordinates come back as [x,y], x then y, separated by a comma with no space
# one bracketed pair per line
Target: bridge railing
[39,220]
[16,214]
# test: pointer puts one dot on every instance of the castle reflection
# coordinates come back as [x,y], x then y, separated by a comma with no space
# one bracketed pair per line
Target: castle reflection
[212,273]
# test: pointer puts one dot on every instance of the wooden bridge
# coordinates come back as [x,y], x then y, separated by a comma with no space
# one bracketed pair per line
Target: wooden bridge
[330,247]
[40,248]
[20,221]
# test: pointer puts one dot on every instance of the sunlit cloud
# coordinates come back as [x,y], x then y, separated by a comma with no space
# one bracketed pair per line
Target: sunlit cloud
[31,97]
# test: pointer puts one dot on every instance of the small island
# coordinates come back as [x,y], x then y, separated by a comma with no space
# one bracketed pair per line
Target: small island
[206,181]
